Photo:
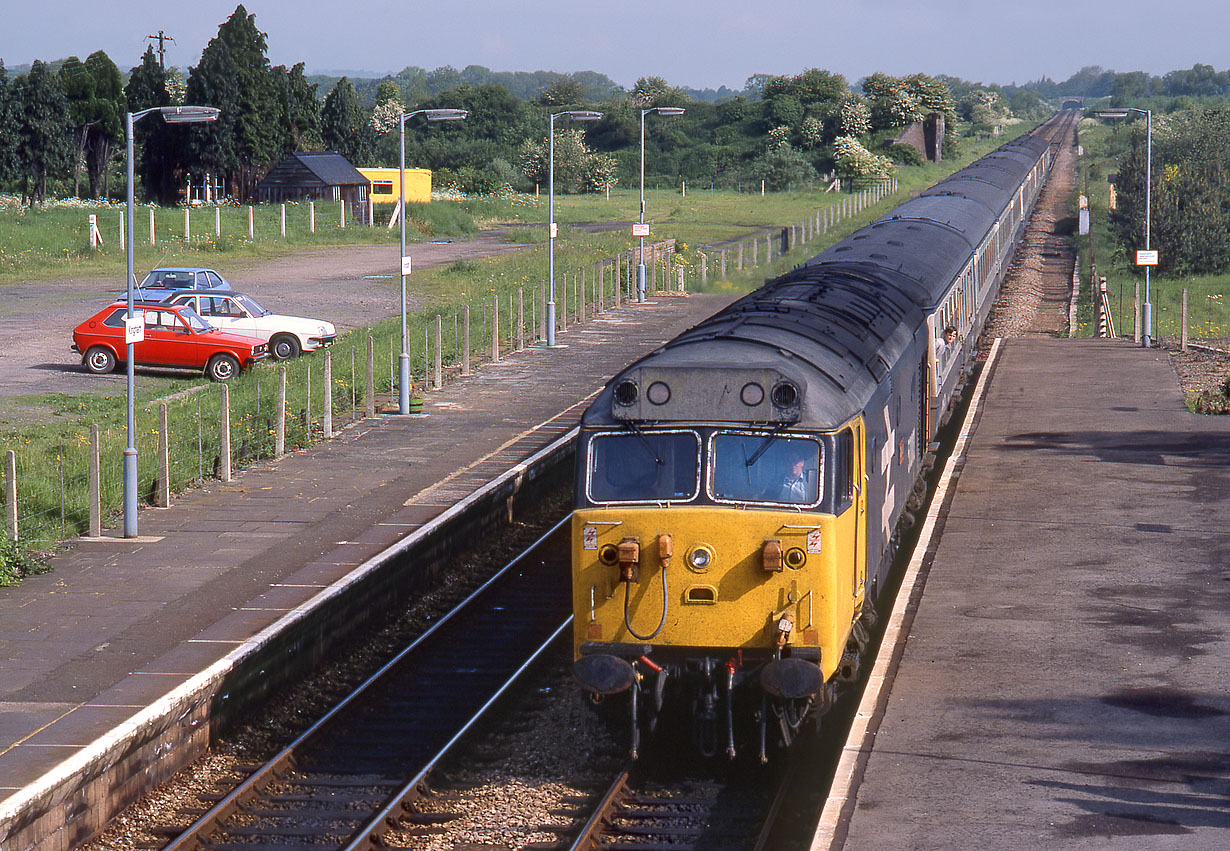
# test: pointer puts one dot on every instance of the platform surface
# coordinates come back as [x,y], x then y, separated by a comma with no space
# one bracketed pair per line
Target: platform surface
[1066,679]
[119,623]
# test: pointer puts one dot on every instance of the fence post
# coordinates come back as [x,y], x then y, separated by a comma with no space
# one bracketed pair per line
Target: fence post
[369,378]
[187,225]
[1183,323]
[521,319]
[739,263]
[123,237]
[164,459]
[327,421]
[224,435]
[283,220]
[251,224]
[279,428]
[465,343]
[1136,315]
[495,328]
[151,225]
[581,297]
[704,269]
[217,220]
[10,496]
[312,216]
[342,214]
[438,380]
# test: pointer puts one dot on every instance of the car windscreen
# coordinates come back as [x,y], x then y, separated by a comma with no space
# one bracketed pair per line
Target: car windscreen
[194,320]
[764,467]
[251,306]
[174,279]
[644,466]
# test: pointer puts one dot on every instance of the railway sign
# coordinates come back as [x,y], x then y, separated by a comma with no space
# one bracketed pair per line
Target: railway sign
[1146,258]
[641,229]
[406,265]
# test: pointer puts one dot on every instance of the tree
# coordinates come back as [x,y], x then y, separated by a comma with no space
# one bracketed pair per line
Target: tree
[9,163]
[853,160]
[343,125]
[655,91]
[44,146]
[577,167]
[158,147]
[561,93]
[252,115]
[1190,212]
[301,108]
[213,147]
[96,105]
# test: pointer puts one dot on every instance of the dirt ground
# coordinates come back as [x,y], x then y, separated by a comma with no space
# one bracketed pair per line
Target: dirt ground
[350,287]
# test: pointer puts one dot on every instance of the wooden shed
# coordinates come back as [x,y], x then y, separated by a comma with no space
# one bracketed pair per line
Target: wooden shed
[317,176]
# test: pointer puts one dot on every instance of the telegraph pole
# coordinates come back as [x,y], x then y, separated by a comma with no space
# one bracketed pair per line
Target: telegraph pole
[163,38]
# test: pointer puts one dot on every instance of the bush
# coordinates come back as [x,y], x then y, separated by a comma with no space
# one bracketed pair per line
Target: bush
[15,563]
[904,154]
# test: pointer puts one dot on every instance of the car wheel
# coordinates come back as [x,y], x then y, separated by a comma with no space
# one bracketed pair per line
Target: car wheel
[283,347]
[99,360]
[222,368]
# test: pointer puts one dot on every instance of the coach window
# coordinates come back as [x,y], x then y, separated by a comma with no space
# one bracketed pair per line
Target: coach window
[644,466]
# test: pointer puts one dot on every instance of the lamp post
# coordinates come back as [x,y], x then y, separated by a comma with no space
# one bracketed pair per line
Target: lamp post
[403,362]
[171,115]
[1146,309]
[640,266]
[575,115]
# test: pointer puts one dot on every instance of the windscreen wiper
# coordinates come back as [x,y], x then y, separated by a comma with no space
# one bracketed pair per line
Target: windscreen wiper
[768,440]
[653,453]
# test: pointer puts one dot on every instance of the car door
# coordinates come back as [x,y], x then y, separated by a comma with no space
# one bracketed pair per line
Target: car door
[167,340]
[226,313]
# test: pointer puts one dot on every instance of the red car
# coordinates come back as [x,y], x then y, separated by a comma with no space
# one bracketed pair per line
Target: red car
[175,336]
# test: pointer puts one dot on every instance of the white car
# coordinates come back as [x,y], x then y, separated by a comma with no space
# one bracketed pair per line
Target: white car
[237,313]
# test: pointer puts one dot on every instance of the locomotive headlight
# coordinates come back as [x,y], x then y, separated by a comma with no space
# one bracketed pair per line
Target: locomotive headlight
[699,558]
[795,558]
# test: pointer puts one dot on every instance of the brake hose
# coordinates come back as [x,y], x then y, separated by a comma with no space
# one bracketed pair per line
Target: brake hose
[627,603]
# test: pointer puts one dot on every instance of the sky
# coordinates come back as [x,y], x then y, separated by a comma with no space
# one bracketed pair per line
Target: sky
[698,44]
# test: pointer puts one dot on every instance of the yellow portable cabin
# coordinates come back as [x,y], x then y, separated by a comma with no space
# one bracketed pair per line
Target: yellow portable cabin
[386,191]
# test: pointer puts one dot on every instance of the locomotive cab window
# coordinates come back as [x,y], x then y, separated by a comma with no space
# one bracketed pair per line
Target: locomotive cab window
[843,472]
[764,468]
[644,466]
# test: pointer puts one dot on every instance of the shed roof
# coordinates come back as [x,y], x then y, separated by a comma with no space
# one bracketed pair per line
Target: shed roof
[329,167]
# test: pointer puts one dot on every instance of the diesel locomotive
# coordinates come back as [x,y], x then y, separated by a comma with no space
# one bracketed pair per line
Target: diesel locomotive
[738,490]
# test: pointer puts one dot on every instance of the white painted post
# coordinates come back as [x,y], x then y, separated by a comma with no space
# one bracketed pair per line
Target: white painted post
[495,328]
[465,343]
[327,423]
[10,494]
[369,391]
[151,225]
[218,221]
[123,239]
[342,214]
[312,216]
[283,220]
[1183,323]
[164,459]
[581,297]
[437,381]
[93,230]
[95,485]
[279,433]
[563,303]
[521,319]
[224,435]
[251,224]
[187,225]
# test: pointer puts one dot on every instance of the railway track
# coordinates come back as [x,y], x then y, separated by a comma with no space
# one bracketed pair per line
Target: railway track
[653,811]
[346,780]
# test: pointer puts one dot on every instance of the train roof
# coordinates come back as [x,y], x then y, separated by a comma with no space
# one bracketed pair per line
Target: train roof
[833,326]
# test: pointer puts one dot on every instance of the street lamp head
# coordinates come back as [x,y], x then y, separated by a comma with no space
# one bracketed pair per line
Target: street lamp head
[582,115]
[445,114]
[189,114]
[667,110]
[1114,114]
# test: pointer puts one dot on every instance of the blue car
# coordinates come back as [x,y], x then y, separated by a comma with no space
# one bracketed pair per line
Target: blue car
[169,278]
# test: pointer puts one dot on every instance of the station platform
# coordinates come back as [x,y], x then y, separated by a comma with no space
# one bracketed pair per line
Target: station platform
[1064,675]
[118,653]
